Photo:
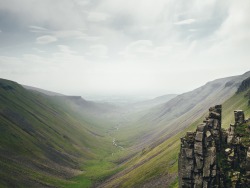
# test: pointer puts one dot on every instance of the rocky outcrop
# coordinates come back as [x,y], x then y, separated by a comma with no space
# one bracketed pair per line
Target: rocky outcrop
[237,152]
[212,157]
[197,158]
[244,85]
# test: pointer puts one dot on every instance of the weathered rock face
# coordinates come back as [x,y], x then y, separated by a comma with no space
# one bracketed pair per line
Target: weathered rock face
[212,157]
[197,158]
[237,152]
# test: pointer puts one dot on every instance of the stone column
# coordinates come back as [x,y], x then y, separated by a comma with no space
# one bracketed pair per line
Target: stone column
[239,116]
[197,158]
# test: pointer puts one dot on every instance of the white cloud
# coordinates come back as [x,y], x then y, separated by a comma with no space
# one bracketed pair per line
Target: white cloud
[68,34]
[76,34]
[6,61]
[37,29]
[38,50]
[192,30]
[99,51]
[140,45]
[82,2]
[61,34]
[65,49]
[138,48]
[185,22]
[96,16]
[237,23]
[46,39]
[140,11]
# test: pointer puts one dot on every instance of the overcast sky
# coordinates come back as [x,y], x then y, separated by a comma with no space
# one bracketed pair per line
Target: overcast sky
[123,47]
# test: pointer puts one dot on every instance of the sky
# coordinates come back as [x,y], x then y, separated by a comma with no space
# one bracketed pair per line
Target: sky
[123,47]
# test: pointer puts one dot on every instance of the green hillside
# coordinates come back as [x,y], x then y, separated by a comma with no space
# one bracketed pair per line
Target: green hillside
[155,125]
[44,142]
[157,166]
[66,141]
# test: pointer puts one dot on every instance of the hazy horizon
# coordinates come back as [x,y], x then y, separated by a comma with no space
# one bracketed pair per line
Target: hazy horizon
[123,98]
[115,48]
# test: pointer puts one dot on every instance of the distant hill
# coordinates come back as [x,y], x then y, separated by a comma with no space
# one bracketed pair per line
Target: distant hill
[176,114]
[146,104]
[50,93]
[77,101]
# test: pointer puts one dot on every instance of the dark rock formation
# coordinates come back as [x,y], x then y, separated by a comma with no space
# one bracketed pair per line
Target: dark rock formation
[197,158]
[212,157]
[244,85]
[237,152]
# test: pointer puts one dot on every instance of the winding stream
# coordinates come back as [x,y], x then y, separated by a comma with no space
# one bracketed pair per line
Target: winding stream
[114,140]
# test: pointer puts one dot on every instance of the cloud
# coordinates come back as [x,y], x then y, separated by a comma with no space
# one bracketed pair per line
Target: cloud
[30,68]
[59,14]
[38,50]
[76,34]
[146,42]
[37,29]
[96,16]
[99,51]
[7,60]
[82,3]
[237,23]
[185,22]
[46,39]
[65,49]
[61,34]
[192,30]
[140,45]
[138,48]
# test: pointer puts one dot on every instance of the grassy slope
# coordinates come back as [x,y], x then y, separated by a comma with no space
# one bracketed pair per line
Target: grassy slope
[43,142]
[81,144]
[159,164]
[159,123]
